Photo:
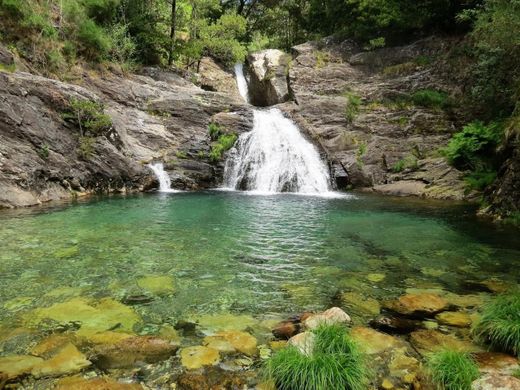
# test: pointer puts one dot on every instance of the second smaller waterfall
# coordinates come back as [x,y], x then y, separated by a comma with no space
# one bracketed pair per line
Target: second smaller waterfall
[164,180]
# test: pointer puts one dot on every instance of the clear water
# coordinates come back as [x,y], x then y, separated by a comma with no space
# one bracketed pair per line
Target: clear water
[236,253]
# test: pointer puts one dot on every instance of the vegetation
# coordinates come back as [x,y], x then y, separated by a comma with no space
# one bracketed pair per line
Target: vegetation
[452,370]
[430,98]
[222,144]
[409,162]
[86,147]
[353,106]
[335,363]
[499,324]
[214,131]
[89,117]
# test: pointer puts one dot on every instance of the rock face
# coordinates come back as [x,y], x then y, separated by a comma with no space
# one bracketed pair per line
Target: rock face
[358,107]
[156,115]
[268,77]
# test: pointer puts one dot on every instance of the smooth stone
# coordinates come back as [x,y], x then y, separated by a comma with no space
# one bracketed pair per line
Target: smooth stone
[157,284]
[417,304]
[105,314]
[392,324]
[68,360]
[196,357]
[79,383]
[331,316]
[374,342]
[496,363]
[496,382]
[285,330]
[225,321]
[361,302]
[376,278]
[130,351]
[454,318]
[14,366]
[426,341]
[241,341]
[304,342]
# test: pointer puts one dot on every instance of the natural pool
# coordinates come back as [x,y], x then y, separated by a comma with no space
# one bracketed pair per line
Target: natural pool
[188,256]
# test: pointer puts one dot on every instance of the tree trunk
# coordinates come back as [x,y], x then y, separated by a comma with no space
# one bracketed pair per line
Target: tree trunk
[172,32]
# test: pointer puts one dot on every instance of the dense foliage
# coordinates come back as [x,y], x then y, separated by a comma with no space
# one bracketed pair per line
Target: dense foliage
[452,370]
[335,363]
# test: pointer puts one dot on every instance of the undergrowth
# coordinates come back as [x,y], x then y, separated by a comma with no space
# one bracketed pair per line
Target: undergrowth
[452,370]
[221,145]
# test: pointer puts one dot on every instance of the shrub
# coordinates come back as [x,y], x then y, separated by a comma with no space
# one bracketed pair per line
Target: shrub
[223,144]
[353,106]
[86,147]
[499,324]
[452,370]
[95,44]
[431,98]
[470,148]
[214,131]
[409,162]
[89,116]
[479,180]
[335,363]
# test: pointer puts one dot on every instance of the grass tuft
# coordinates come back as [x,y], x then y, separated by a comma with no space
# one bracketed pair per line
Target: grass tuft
[452,370]
[336,363]
[499,324]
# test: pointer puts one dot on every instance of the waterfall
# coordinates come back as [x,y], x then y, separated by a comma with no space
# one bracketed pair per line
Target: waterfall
[274,157]
[164,180]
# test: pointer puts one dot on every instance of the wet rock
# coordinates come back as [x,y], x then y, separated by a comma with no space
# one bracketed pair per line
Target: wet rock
[286,329]
[137,299]
[130,351]
[105,338]
[48,346]
[240,341]
[78,383]
[417,305]
[392,324]
[213,378]
[14,366]
[268,82]
[403,366]
[496,382]
[331,316]
[426,341]
[196,357]
[276,345]
[493,285]
[68,360]
[454,318]
[157,284]
[361,303]
[304,342]
[496,363]
[374,342]
[225,321]
[214,77]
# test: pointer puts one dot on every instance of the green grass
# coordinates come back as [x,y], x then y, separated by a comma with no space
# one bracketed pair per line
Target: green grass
[516,373]
[353,106]
[431,98]
[452,370]
[336,363]
[11,68]
[409,162]
[499,324]
[223,144]
[214,131]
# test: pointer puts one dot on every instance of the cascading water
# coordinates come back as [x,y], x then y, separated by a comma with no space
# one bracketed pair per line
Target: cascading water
[274,156]
[164,180]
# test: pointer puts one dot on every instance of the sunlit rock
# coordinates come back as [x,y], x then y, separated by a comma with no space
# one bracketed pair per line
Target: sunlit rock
[240,341]
[374,342]
[417,305]
[199,356]
[454,318]
[304,342]
[14,366]
[496,363]
[68,360]
[331,316]
[496,382]
[426,341]
[361,303]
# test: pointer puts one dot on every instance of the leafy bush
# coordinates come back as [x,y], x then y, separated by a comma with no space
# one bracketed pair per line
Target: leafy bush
[89,116]
[223,144]
[409,162]
[214,131]
[467,148]
[335,363]
[94,42]
[479,180]
[430,98]
[452,370]
[499,324]
[353,106]
[86,147]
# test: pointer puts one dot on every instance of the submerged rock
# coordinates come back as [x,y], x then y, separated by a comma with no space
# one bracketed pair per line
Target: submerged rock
[417,305]
[426,341]
[394,324]
[374,342]
[239,341]
[196,357]
[361,303]
[78,383]
[454,318]
[68,360]
[225,321]
[14,366]
[129,351]
[157,284]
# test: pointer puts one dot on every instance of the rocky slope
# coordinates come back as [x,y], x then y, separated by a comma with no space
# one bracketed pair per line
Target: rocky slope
[358,106]
[155,115]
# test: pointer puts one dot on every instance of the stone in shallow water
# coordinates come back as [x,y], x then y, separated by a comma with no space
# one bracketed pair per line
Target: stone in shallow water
[454,318]
[18,303]
[225,321]
[331,316]
[68,360]
[14,366]
[496,363]
[496,382]
[392,324]
[196,357]
[240,341]
[107,337]
[374,342]
[359,302]
[105,314]
[132,350]
[417,305]
[78,383]
[426,341]
[158,285]
[286,329]
[50,345]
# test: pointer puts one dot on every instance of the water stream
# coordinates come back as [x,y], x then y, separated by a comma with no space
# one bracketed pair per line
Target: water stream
[163,177]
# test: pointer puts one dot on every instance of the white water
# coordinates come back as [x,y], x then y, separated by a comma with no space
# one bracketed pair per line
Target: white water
[163,177]
[274,157]
[241,82]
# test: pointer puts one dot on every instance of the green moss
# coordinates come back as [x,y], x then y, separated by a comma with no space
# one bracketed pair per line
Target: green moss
[353,106]
[223,144]
[181,154]
[499,324]
[8,68]
[452,370]
[335,363]
[431,98]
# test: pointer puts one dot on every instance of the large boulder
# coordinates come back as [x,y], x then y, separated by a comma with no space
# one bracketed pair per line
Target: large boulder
[268,77]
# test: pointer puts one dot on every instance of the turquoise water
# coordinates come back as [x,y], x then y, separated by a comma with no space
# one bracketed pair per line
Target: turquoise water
[236,253]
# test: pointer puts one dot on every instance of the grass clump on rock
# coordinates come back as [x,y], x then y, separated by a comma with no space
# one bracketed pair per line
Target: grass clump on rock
[333,362]
[500,323]
[452,370]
